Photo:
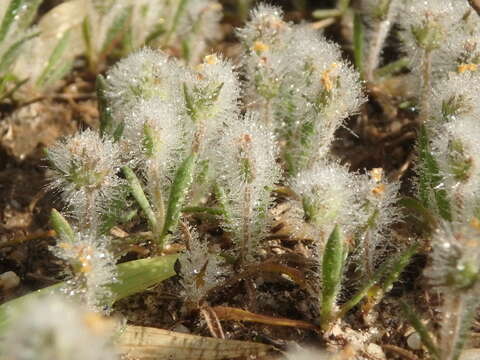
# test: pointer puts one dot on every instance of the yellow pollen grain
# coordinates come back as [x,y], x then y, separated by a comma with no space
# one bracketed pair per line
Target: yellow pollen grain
[86,266]
[96,323]
[259,47]
[467,67]
[475,223]
[378,190]
[377,174]
[211,59]
[327,79]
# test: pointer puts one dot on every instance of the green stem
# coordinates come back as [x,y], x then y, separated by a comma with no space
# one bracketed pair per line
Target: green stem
[139,195]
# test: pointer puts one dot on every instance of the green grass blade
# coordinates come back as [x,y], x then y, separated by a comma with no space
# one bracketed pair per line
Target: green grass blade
[105,112]
[61,226]
[116,30]
[421,330]
[13,52]
[389,272]
[13,9]
[358,42]
[393,271]
[29,11]
[326,13]
[139,195]
[55,59]
[178,193]
[87,38]
[134,277]
[182,5]
[392,68]
[332,272]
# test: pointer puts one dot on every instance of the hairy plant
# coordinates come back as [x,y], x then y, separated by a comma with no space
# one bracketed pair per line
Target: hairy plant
[56,327]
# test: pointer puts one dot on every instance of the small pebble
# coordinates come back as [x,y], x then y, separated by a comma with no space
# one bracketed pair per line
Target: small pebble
[9,280]
[414,342]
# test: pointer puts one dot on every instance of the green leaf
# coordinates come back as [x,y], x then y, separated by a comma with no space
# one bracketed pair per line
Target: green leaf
[178,192]
[116,31]
[201,209]
[389,272]
[139,195]
[182,5]
[61,226]
[13,52]
[393,271]
[54,60]
[358,42]
[326,13]
[105,112]
[393,67]
[87,38]
[430,181]
[13,9]
[422,331]
[332,272]
[134,277]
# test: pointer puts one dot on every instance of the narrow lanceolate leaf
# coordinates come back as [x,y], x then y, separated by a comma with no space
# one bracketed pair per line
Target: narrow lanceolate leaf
[61,226]
[430,181]
[137,276]
[389,272]
[182,4]
[13,9]
[55,61]
[421,330]
[105,112]
[146,343]
[393,271]
[178,193]
[116,30]
[133,277]
[87,38]
[358,42]
[332,271]
[13,52]
[139,195]
[230,313]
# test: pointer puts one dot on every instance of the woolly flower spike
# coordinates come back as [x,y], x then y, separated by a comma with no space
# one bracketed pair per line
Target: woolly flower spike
[377,198]
[299,83]
[200,269]
[211,93]
[329,195]
[457,154]
[92,266]
[144,75]
[428,24]
[85,172]
[154,130]
[323,90]
[247,170]
[455,96]
[456,257]
[52,327]
[264,28]
[455,271]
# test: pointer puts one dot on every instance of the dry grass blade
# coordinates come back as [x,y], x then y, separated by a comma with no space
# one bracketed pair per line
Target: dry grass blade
[145,343]
[230,313]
